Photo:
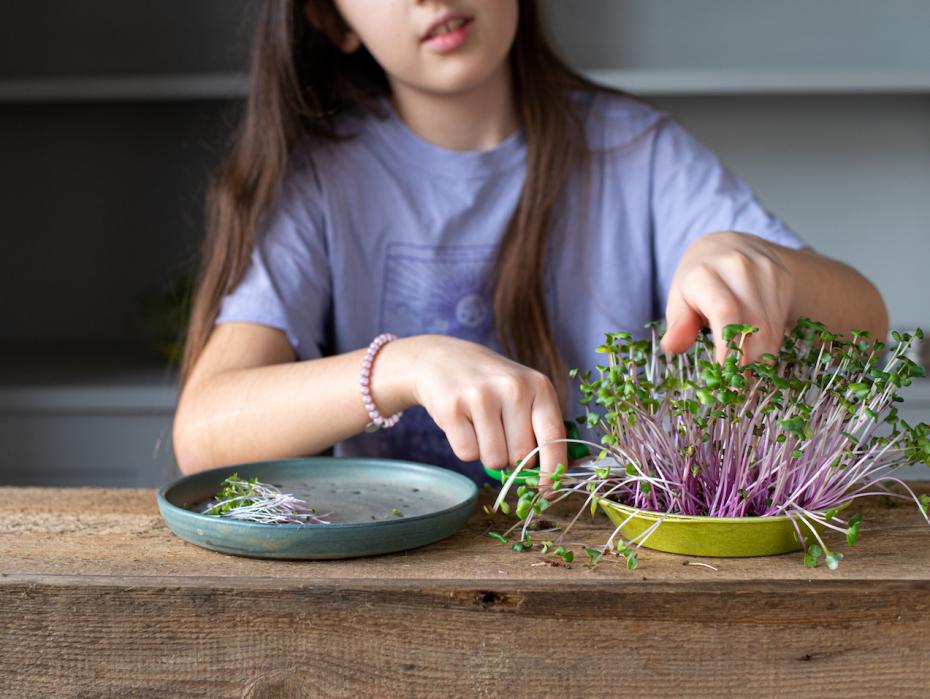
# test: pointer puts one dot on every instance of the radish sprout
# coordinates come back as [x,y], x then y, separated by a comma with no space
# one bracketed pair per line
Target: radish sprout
[260,502]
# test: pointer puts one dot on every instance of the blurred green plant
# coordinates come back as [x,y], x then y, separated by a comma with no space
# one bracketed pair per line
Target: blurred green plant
[165,313]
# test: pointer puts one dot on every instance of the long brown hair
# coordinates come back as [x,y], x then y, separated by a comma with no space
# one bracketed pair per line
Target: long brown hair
[301,81]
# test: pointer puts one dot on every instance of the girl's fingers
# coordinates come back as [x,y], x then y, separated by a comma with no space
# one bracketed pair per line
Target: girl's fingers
[496,410]
[768,337]
[464,441]
[460,432]
[737,296]
[683,323]
[518,427]
[547,426]
[489,428]
[757,294]
[771,339]
[726,278]
[708,293]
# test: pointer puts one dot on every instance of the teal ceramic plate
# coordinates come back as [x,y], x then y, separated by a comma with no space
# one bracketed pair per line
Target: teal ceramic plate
[361,495]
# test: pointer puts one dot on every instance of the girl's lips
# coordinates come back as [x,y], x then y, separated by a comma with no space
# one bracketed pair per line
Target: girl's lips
[443,43]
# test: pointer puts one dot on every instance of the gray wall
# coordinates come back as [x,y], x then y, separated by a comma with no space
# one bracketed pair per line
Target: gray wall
[100,200]
[850,173]
[101,203]
[746,34]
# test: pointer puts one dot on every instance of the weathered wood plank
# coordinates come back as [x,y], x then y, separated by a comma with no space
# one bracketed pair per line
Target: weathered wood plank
[443,640]
[118,532]
[98,598]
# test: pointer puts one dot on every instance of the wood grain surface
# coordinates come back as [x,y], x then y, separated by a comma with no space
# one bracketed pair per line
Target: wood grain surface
[98,598]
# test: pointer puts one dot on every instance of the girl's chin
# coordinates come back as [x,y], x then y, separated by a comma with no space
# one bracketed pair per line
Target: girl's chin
[454,77]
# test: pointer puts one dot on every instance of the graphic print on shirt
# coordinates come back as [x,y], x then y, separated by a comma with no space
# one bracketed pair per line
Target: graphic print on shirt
[444,290]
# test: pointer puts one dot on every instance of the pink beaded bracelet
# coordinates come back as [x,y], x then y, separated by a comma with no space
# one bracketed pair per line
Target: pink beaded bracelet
[378,421]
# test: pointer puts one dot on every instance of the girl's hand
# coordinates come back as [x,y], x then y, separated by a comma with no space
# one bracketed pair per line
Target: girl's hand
[728,278]
[490,408]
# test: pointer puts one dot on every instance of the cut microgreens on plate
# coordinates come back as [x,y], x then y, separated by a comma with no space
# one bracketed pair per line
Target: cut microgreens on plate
[802,433]
[253,501]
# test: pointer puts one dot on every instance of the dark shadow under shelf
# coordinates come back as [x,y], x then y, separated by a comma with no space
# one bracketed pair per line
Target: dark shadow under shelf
[85,378]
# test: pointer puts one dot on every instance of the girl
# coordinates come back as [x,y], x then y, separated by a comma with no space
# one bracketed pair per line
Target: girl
[433,170]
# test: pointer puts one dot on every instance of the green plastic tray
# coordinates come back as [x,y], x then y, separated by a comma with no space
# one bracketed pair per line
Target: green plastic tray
[433,503]
[727,537]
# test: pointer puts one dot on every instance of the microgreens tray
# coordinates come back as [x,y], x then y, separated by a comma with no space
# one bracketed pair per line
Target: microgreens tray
[704,456]
[692,535]
[370,506]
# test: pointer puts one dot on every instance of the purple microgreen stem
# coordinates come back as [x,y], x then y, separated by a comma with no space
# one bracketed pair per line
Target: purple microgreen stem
[250,500]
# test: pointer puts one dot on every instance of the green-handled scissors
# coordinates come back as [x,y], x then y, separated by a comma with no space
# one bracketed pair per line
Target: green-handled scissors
[575,451]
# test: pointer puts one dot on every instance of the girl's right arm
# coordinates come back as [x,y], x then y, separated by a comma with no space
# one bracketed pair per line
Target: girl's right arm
[247,399]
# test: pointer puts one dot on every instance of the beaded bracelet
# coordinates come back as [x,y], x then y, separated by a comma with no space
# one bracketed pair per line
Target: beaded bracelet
[378,421]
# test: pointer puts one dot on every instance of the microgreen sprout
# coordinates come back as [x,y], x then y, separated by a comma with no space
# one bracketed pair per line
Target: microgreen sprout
[698,563]
[801,433]
[260,502]
[594,554]
[629,554]
[812,555]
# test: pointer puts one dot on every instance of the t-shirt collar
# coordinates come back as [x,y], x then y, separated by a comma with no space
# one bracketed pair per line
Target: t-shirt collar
[407,144]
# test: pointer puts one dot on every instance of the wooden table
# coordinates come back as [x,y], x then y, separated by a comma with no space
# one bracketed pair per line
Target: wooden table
[98,598]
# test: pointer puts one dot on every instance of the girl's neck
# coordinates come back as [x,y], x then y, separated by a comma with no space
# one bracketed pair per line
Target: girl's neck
[475,120]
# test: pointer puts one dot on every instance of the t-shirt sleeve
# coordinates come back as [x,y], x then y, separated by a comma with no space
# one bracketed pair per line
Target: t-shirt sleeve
[692,194]
[287,282]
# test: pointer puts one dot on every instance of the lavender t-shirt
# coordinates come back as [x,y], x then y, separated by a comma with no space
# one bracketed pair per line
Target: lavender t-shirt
[389,233]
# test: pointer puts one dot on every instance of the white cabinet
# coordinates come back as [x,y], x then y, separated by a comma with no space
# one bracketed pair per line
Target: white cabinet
[99,417]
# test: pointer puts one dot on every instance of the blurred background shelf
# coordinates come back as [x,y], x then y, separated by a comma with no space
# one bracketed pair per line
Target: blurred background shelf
[687,82]
[646,82]
[85,415]
[106,378]
[207,86]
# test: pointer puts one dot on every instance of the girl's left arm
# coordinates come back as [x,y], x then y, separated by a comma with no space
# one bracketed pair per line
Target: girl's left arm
[730,277]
